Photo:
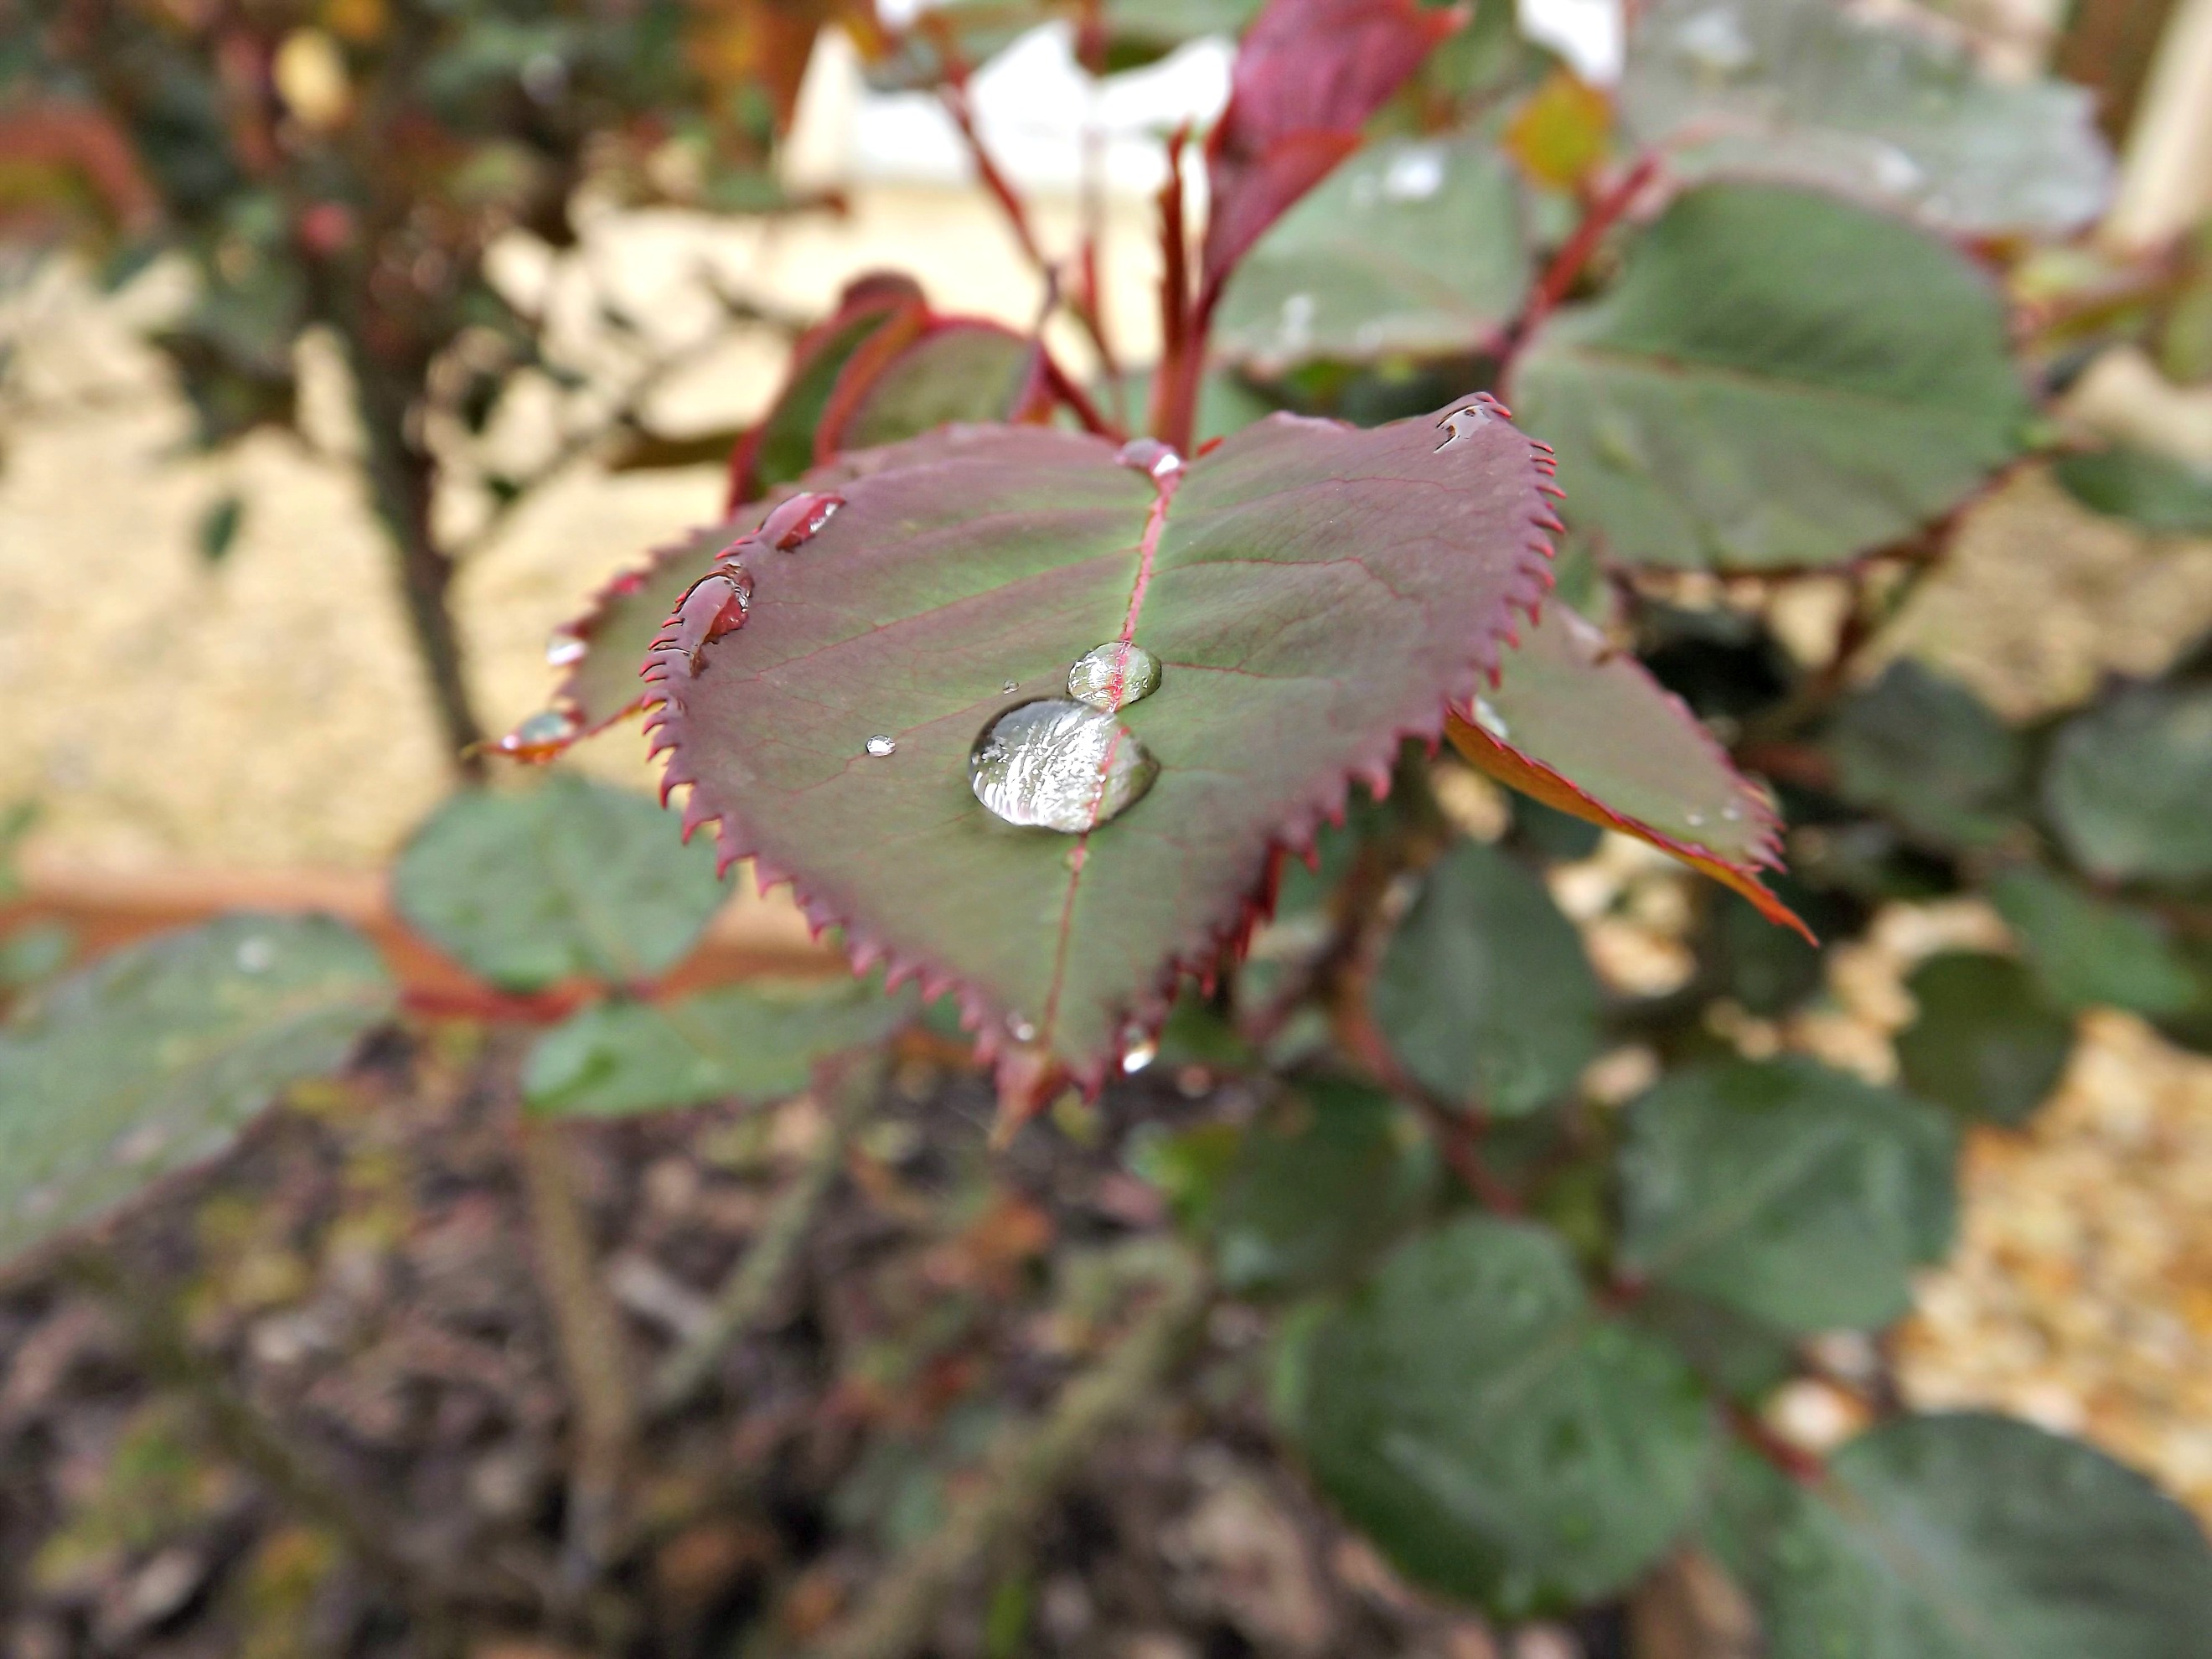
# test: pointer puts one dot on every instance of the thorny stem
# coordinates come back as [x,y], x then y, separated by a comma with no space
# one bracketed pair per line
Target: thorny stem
[589,1333]
[1575,254]
[165,1349]
[1024,1471]
[746,1293]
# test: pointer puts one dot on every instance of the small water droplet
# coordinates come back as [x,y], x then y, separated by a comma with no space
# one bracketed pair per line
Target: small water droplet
[1150,456]
[563,647]
[541,736]
[1414,174]
[1137,1055]
[1010,685]
[1696,820]
[1056,765]
[1491,720]
[797,520]
[255,955]
[1732,814]
[1114,675]
[1020,1029]
[879,746]
[1464,422]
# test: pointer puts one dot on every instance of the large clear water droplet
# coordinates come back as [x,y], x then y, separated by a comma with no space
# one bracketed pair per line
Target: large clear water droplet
[879,746]
[1114,675]
[1056,765]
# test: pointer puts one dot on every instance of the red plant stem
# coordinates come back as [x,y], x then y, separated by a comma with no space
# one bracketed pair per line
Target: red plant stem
[1802,1466]
[1063,387]
[953,92]
[1559,278]
[1174,412]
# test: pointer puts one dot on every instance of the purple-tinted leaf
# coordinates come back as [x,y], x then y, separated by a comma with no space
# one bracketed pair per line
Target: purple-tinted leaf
[1307,76]
[1585,728]
[1315,593]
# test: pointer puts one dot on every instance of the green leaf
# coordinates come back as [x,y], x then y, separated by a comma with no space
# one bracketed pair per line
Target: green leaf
[1315,594]
[756,1041]
[1413,247]
[1778,379]
[1795,1196]
[2129,786]
[2086,951]
[1986,1044]
[958,371]
[1810,92]
[571,879]
[2155,491]
[1324,1179]
[1498,1439]
[1966,1536]
[1926,751]
[1484,993]
[782,448]
[154,1057]
[1582,726]
[1732,1354]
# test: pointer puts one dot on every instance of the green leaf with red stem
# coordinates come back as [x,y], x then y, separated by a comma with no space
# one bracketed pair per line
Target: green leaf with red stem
[1315,593]
[1584,728]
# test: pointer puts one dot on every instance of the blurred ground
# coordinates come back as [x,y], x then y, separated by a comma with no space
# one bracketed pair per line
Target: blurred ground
[265,713]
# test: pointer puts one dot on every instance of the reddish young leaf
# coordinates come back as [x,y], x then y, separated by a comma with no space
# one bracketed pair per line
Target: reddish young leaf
[1307,74]
[1585,728]
[1315,593]
[781,447]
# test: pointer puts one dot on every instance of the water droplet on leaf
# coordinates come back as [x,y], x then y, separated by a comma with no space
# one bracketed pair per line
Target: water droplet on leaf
[1056,765]
[562,647]
[1137,1055]
[1149,456]
[1414,174]
[879,746]
[1464,421]
[1696,820]
[1010,685]
[1491,720]
[1020,1029]
[541,736]
[1114,675]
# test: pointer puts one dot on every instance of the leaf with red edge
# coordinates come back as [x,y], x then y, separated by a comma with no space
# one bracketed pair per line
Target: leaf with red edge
[1307,76]
[958,368]
[1315,593]
[781,447]
[603,650]
[1584,728]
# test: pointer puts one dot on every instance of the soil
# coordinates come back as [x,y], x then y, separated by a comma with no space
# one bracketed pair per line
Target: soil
[360,1270]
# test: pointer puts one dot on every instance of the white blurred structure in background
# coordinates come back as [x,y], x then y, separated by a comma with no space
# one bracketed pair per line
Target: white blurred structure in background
[1034,104]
